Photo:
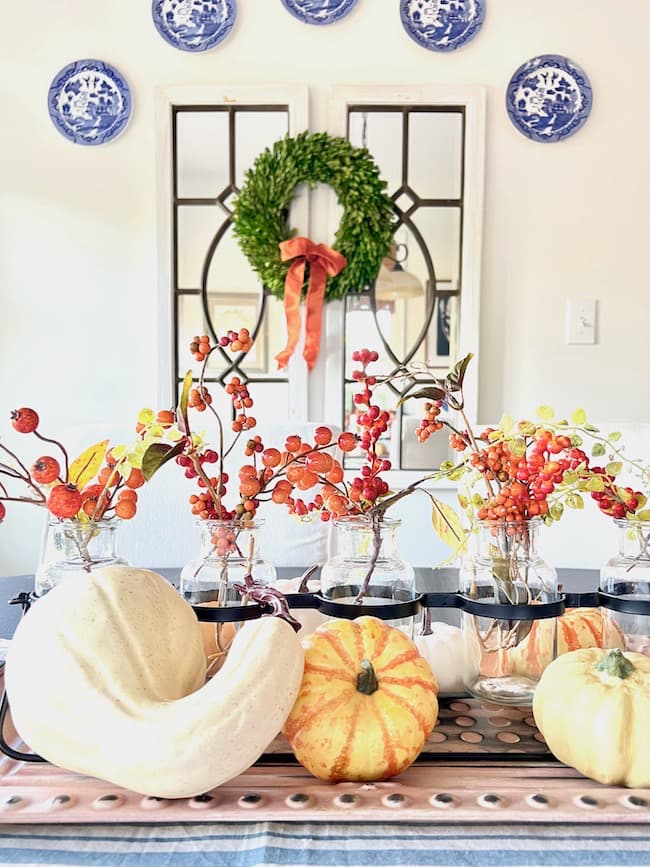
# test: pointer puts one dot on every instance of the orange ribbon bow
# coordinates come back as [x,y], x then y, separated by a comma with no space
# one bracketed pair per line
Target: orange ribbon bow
[323,262]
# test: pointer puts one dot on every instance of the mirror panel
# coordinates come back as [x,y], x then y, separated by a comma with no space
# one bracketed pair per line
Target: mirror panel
[199,136]
[436,172]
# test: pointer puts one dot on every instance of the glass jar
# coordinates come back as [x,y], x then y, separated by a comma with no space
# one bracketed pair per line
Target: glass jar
[506,569]
[627,576]
[230,551]
[366,554]
[73,547]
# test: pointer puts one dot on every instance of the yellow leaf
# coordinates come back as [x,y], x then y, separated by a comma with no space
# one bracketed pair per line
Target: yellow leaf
[85,467]
[507,423]
[579,417]
[546,413]
[447,525]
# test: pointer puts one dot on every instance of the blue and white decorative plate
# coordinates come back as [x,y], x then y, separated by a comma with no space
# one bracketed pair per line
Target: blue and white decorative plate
[549,98]
[193,25]
[319,11]
[442,25]
[89,102]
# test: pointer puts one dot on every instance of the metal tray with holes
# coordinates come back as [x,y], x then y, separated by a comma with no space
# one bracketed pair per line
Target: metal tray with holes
[482,763]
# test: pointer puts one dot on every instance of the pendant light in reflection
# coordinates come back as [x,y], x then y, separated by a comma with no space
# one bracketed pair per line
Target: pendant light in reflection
[393,283]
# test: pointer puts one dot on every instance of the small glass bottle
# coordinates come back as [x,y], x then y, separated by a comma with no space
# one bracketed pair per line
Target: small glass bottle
[506,569]
[74,547]
[627,576]
[230,550]
[366,552]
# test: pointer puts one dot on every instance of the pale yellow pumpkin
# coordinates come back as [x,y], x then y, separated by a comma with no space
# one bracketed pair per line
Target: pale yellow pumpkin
[105,677]
[367,702]
[593,708]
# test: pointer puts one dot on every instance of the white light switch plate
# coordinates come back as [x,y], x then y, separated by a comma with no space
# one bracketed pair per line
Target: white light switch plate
[581,320]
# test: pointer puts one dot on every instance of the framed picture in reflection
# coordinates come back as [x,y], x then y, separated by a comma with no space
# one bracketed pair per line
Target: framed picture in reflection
[235,310]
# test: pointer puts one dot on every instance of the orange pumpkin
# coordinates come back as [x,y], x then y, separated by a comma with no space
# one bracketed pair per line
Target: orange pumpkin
[367,703]
[577,628]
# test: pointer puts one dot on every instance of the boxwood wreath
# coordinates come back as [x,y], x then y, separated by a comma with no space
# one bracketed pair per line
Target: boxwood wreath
[261,208]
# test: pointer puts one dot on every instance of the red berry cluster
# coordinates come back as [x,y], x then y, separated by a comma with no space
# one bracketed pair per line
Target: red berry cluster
[614,500]
[50,485]
[283,476]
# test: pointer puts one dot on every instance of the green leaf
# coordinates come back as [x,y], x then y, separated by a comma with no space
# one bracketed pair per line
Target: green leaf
[430,393]
[556,511]
[613,468]
[446,523]
[643,515]
[507,423]
[85,467]
[157,455]
[615,436]
[598,450]
[590,428]
[575,501]
[579,417]
[544,412]
[517,447]
[456,375]
[595,483]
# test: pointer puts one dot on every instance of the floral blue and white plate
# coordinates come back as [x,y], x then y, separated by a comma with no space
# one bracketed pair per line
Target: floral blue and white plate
[193,25]
[549,98]
[442,25]
[89,102]
[319,11]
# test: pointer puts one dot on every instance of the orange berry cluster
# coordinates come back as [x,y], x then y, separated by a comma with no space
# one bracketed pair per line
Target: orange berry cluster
[430,423]
[109,494]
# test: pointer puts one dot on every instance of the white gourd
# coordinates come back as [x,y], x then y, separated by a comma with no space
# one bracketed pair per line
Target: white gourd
[449,657]
[105,677]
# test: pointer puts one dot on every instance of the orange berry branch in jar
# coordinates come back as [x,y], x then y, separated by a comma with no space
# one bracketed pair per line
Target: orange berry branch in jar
[82,497]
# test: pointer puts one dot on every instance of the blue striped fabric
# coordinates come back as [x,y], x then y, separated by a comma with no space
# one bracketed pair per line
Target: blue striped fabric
[329,844]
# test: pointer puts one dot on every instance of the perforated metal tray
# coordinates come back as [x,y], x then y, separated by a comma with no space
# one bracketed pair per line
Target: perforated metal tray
[482,763]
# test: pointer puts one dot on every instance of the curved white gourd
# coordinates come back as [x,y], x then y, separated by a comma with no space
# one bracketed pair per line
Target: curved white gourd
[105,677]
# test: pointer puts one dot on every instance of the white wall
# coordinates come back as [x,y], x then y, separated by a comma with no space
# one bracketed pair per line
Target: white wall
[78,296]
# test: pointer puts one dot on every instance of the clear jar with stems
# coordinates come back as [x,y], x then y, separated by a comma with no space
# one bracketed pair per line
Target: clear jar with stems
[76,547]
[366,570]
[626,576]
[506,570]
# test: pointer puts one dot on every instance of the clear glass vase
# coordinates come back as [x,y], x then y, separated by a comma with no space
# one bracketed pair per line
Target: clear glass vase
[230,550]
[366,553]
[627,576]
[73,547]
[506,569]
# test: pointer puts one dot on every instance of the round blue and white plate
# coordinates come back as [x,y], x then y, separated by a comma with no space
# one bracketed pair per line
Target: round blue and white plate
[549,98]
[89,102]
[193,25]
[442,25]
[319,11]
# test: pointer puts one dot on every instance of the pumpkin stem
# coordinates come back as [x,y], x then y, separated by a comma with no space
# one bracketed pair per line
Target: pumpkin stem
[367,679]
[616,664]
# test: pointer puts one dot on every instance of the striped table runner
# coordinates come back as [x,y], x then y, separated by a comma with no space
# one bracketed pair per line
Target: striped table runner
[336,844]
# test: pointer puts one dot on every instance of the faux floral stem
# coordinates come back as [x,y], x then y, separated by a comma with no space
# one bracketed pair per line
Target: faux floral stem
[66,459]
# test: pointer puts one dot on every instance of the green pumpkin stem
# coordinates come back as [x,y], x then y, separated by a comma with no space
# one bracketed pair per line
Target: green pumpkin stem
[367,679]
[616,664]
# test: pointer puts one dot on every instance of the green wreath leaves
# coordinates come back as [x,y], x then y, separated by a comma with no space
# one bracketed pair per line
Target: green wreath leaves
[262,206]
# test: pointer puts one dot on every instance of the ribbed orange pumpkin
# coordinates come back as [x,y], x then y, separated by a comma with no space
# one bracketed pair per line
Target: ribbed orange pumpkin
[577,628]
[367,703]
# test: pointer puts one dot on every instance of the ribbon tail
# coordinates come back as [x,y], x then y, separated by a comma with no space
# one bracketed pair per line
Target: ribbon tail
[292,291]
[314,313]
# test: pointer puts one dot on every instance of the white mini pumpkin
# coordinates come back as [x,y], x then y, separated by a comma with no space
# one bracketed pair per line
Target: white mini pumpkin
[450,658]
